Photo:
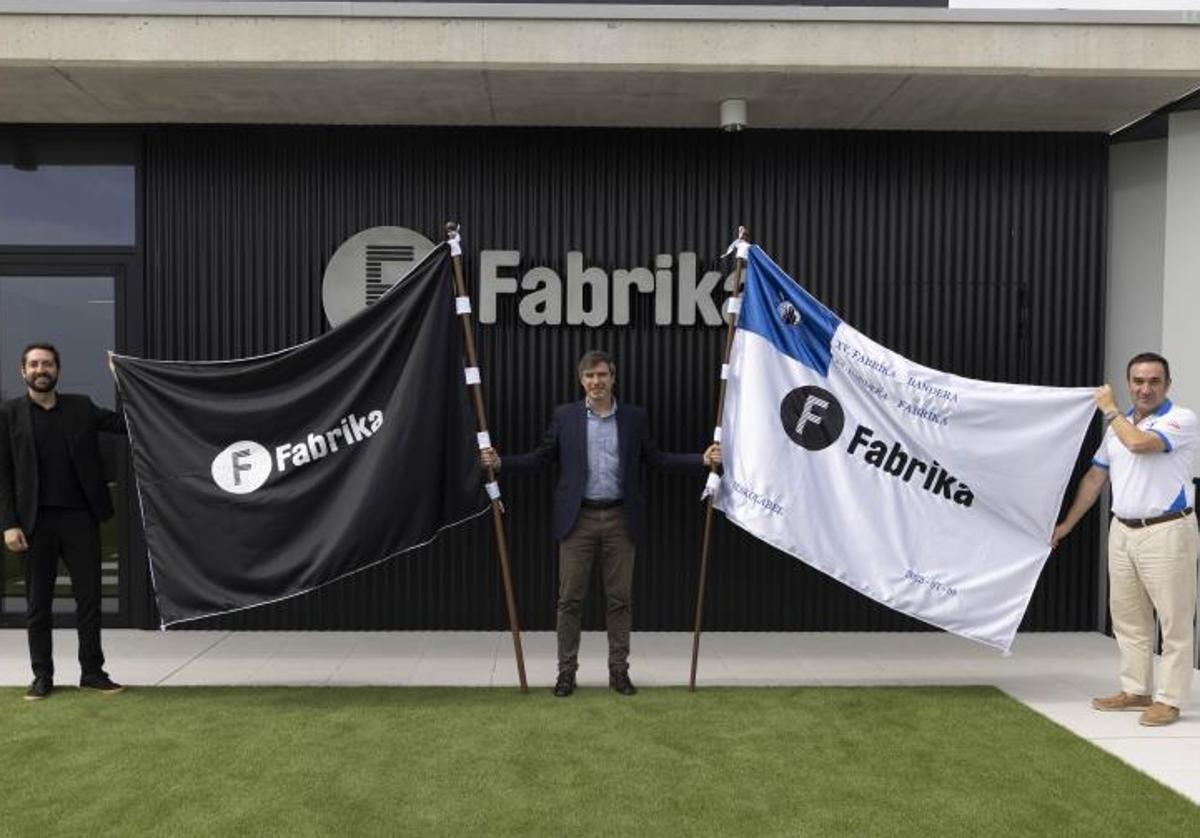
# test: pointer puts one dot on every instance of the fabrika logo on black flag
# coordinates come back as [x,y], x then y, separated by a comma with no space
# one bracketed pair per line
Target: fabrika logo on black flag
[263,478]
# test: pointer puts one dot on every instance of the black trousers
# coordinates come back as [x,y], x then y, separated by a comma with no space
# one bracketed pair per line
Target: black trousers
[74,535]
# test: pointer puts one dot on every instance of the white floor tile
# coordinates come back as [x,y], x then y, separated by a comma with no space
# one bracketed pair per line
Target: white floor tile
[1186,782]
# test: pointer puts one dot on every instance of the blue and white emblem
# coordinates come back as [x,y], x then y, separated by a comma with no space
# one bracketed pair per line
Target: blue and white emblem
[788,313]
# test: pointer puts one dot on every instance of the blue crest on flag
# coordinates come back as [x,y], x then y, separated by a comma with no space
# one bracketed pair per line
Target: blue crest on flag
[777,308]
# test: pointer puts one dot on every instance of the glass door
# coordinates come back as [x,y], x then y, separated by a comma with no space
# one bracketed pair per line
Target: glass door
[75,312]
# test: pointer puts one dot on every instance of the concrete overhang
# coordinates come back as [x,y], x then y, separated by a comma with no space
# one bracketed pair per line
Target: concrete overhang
[474,66]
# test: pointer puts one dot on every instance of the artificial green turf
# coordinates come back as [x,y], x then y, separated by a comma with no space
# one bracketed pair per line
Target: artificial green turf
[378,761]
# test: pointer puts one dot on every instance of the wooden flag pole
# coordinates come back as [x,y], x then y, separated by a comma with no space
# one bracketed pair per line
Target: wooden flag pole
[475,387]
[706,545]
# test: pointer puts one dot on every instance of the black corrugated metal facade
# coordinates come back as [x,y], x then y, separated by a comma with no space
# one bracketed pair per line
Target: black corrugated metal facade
[979,254]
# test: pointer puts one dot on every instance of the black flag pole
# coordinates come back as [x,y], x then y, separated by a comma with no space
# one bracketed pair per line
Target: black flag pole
[739,247]
[475,387]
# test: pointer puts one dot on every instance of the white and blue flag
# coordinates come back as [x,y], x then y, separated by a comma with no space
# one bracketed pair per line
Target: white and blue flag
[933,494]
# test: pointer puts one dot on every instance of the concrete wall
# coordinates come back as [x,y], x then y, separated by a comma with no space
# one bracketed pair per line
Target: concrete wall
[1154,256]
[945,73]
[1137,228]
[1154,267]
[1181,260]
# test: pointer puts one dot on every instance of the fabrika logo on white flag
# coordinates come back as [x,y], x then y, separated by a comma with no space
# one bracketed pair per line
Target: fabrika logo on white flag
[933,494]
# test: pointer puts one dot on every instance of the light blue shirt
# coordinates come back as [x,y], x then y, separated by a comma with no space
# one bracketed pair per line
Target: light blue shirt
[603,456]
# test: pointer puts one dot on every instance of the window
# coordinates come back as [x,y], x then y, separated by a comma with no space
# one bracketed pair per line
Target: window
[56,191]
[76,314]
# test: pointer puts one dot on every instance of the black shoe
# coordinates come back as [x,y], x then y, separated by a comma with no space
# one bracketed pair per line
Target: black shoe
[40,688]
[565,685]
[101,682]
[618,679]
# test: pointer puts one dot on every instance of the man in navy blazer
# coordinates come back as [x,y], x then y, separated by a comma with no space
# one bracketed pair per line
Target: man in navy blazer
[53,496]
[599,507]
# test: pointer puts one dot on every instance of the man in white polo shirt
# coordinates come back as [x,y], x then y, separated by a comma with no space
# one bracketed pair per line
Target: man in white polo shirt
[1153,540]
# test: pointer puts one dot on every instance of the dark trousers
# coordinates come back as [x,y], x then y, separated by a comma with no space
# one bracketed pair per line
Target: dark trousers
[598,532]
[74,535]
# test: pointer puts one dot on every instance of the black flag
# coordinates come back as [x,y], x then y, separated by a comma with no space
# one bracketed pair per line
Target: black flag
[261,479]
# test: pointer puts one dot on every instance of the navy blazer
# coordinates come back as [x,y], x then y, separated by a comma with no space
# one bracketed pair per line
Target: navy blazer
[18,457]
[565,442]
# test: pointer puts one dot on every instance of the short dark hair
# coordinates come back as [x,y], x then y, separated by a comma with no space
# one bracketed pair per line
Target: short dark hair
[1148,358]
[49,347]
[593,357]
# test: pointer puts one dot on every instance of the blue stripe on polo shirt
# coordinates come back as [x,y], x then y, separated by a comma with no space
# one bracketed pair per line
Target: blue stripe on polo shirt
[1180,502]
[1096,462]
[1163,437]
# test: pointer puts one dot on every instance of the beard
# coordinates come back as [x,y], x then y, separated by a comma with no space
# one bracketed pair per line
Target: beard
[42,382]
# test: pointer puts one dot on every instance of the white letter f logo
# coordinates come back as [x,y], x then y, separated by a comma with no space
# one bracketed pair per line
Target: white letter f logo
[810,414]
[239,466]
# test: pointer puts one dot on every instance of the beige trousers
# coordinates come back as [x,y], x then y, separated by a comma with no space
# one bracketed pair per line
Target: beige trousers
[1154,569]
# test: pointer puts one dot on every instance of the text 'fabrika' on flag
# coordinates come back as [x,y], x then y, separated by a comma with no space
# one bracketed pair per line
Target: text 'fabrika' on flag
[933,494]
[264,478]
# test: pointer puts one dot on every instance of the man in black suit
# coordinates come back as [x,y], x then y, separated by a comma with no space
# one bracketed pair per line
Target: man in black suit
[598,507]
[53,497]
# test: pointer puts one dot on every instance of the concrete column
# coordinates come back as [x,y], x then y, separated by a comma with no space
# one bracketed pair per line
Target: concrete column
[1181,264]
[1154,256]
[1181,259]
[1137,177]
[1154,262]
[1137,205]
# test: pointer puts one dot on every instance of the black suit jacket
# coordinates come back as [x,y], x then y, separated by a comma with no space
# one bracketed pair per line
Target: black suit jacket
[565,442]
[82,419]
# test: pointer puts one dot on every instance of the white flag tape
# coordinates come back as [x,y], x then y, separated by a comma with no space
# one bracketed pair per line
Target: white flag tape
[739,244]
[717,434]
[484,440]
[734,305]
[493,490]
[472,375]
[724,371]
[462,305]
[710,485]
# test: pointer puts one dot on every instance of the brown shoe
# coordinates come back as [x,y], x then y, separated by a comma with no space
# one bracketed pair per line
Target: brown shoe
[1159,714]
[1121,701]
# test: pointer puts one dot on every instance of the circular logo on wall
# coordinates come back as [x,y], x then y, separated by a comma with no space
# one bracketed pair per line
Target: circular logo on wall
[812,417]
[367,264]
[242,467]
